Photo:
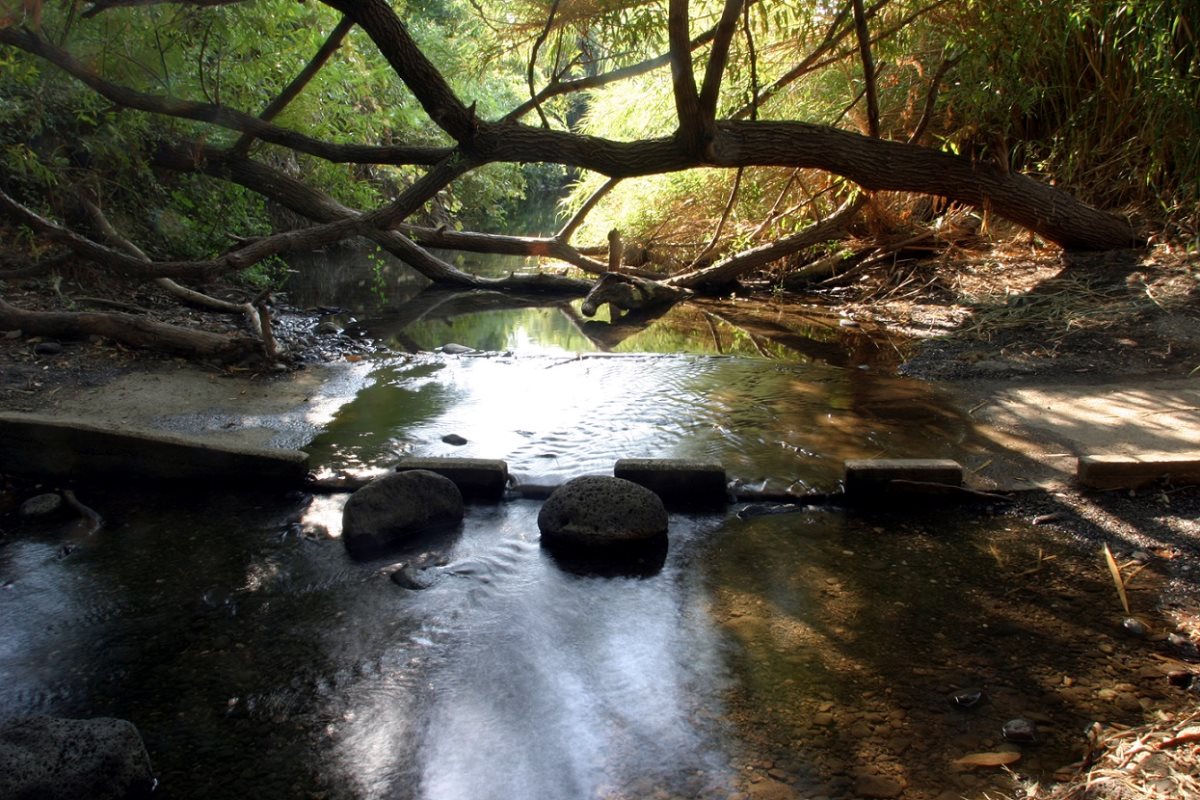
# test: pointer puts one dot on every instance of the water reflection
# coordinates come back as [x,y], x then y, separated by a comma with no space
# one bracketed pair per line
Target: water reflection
[786,424]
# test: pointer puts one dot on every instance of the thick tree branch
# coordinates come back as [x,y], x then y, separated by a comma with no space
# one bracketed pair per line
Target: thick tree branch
[868,64]
[218,115]
[718,57]
[421,77]
[128,329]
[694,128]
[727,270]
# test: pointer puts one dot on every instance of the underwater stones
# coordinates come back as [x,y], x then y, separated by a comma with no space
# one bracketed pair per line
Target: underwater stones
[605,526]
[50,758]
[395,508]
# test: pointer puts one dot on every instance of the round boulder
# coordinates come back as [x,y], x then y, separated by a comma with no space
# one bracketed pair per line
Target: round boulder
[598,512]
[49,758]
[394,509]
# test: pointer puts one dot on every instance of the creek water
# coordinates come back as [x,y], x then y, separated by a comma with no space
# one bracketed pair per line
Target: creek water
[804,654]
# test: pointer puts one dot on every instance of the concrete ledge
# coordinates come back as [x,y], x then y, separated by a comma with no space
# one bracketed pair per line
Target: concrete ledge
[1130,472]
[32,444]
[476,478]
[682,484]
[896,478]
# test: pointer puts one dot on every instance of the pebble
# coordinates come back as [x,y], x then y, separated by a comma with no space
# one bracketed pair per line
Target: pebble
[1134,627]
[13,334]
[454,439]
[47,348]
[1021,731]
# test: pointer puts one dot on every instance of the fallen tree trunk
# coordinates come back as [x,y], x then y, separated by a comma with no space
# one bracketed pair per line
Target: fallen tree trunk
[128,329]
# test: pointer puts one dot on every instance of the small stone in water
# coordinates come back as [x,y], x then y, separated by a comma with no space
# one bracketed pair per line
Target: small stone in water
[1184,647]
[454,439]
[1181,678]
[1134,627]
[1021,731]
[966,698]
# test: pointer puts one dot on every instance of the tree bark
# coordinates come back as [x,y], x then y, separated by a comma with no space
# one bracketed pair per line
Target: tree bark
[128,329]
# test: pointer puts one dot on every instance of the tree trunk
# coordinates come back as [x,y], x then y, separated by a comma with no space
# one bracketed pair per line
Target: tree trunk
[128,329]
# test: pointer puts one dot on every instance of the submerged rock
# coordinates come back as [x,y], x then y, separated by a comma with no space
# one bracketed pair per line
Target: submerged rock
[43,505]
[50,758]
[395,508]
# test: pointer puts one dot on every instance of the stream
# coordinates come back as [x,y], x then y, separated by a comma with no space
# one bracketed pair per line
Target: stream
[809,654]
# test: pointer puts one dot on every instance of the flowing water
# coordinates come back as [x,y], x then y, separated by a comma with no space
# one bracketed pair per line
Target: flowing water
[807,654]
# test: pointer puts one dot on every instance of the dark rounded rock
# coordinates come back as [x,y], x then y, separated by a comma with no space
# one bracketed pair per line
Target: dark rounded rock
[967,698]
[1021,731]
[1134,627]
[396,508]
[415,578]
[51,758]
[1183,647]
[47,348]
[599,511]
[43,505]
[454,439]
[328,329]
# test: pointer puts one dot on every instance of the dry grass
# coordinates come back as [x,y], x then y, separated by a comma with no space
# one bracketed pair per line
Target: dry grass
[1158,761]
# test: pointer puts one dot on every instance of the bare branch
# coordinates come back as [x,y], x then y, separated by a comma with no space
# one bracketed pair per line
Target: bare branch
[574,222]
[729,204]
[557,87]
[218,115]
[533,61]
[99,6]
[931,100]
[293,89]
[718,56]
[730,268]
[868,63]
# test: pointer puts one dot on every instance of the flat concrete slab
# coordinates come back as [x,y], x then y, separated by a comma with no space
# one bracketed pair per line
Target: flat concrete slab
[870,479]
[681,483]
[476,478]
[1033,436]
[1133,471]
[33,444]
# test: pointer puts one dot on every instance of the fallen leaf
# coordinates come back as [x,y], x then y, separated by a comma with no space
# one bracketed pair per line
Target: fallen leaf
[1116,576]
[353,357]
[998,759]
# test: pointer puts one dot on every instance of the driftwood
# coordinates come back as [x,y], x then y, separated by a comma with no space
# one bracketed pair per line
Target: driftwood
[625,293]
[130,330]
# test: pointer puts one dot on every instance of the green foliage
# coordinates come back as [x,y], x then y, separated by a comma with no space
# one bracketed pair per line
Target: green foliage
[1103,97]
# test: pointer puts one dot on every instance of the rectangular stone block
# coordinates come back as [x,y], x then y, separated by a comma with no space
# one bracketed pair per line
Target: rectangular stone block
[681,483]
[33,444]
[1132,471]
[875,478]
[476,478]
